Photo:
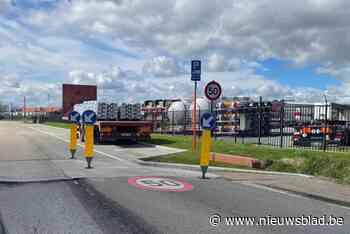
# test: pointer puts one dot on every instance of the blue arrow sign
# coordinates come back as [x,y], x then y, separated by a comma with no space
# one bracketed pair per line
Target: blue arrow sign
[74,117]
[208,121]
[89,117]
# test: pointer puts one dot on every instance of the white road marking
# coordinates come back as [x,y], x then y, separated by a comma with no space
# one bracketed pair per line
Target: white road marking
[82,146]
[287,193]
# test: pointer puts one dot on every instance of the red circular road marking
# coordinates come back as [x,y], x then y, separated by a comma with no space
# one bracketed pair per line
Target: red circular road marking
[158,183]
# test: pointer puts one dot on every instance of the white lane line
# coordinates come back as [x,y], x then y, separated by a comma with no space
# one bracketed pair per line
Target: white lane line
[288,193]
[272,189]
[82,146]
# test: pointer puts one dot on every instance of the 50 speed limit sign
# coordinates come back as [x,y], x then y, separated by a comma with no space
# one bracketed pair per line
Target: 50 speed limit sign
[157,183]
[212,90]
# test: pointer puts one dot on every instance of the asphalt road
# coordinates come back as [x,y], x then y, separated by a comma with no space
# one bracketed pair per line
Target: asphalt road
[76,200]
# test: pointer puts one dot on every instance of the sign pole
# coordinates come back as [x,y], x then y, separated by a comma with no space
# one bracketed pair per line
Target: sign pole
[194,119]
[211,111]
[212,91]
[196,67]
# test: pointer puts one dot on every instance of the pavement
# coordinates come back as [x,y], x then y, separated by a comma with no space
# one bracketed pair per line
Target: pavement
[322,189]
[43,191]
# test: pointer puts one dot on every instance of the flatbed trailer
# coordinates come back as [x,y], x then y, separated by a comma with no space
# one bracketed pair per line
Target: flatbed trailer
[112,131]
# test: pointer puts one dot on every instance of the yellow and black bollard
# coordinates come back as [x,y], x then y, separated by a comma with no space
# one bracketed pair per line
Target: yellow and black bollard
[89,144]
[208,123]
[74,118]
[205,151]
[73,140]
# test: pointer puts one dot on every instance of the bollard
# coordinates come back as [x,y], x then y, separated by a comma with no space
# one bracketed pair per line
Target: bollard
[73,140]
[205,152]
[89,144]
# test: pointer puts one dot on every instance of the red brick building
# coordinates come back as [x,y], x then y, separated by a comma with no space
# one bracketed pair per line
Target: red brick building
[75,94]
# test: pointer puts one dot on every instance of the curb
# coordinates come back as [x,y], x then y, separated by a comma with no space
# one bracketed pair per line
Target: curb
[311,195]
[29,181]
[215,169]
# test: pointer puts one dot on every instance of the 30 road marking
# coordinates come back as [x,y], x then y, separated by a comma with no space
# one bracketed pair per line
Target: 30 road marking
[162,184]
[82,146]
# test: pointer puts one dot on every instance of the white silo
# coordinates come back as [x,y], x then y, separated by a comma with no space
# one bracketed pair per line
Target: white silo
[176,112]
[203,105]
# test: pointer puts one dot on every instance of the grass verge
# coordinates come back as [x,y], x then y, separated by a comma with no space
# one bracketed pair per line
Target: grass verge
[334,165]
[58,124]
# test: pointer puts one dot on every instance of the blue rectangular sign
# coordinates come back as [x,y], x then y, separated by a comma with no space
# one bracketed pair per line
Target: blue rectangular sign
[196,70]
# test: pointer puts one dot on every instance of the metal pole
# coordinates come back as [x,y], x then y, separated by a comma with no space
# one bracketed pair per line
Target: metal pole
[194,119]
[281,124]
[184,129]
[172,123]
[10,110]
[326,125]
[260,116]
[214,130]
[24,108]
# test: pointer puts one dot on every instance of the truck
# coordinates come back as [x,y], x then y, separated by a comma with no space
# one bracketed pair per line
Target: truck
[111,131]
[115,123]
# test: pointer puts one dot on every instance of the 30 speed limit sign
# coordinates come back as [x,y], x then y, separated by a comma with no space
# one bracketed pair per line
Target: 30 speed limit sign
[212,90]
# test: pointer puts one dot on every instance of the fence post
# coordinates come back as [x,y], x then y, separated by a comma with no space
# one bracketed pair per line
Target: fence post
[173,122]
[153,121]
[281,124]
[260,116]
[185,122]
[325,128]
[161,123]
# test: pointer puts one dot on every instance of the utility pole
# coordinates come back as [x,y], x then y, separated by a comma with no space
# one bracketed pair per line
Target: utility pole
[10,111]
[194,118]
[48,100]
[24,108]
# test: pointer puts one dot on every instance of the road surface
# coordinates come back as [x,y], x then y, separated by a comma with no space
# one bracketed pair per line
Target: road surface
[43,191]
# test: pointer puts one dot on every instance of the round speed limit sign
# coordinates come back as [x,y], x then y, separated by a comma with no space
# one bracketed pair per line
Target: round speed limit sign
[212,90]
[160,184]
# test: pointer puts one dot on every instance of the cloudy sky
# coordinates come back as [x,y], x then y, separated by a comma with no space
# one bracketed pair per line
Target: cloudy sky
[141,49]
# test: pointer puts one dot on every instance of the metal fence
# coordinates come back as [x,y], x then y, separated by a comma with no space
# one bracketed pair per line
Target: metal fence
[323,127]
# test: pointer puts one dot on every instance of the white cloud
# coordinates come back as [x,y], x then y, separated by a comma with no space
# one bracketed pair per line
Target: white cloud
[86,39]
[9,81]
[162,66]
[5,5]
[312,31]
[219,63]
